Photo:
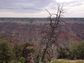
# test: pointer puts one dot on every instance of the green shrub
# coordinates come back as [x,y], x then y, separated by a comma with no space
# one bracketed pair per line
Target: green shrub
[77,50]
[17,51]
[73,51]
[6,53]
[63,52]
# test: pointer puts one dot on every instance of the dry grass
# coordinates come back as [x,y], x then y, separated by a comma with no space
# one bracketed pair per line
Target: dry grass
[67,61]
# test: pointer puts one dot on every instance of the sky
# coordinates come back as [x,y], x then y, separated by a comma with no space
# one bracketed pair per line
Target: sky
[36,8]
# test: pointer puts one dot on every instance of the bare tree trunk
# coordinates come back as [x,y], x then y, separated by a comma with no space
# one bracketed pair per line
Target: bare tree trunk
[51,34]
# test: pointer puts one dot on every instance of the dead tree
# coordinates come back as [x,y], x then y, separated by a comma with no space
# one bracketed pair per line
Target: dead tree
[52,34]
